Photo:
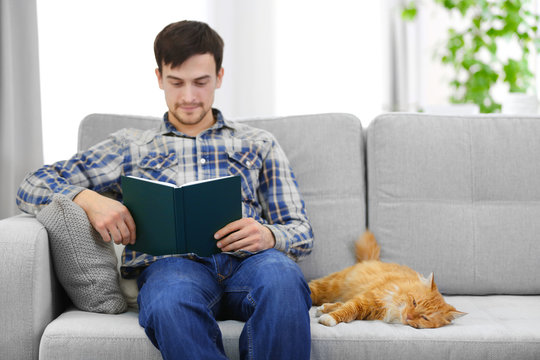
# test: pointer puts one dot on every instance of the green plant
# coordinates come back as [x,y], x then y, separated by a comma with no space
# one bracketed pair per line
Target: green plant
[474,52]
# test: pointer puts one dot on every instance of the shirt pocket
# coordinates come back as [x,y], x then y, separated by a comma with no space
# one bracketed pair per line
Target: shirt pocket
[247,165]
[161,167]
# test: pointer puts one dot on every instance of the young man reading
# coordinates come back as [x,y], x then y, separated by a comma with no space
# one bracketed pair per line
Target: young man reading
[253,279]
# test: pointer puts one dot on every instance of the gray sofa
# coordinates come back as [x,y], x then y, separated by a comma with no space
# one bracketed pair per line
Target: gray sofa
[457,196]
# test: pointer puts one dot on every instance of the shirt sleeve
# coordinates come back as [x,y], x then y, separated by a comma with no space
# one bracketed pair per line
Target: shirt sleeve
[283,205]
[99,169]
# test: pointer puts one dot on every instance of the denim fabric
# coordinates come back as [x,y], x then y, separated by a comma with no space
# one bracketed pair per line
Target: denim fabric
[180,300]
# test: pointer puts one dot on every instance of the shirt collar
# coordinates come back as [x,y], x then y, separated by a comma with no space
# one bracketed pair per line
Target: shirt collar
[168,129]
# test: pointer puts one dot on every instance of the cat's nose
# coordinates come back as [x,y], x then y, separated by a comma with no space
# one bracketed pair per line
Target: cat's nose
[409,317]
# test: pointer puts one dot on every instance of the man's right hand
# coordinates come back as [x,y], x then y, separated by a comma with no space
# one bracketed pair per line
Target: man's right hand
[109,217]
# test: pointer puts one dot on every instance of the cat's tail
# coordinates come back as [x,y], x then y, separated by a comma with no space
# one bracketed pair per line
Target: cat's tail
[367,247]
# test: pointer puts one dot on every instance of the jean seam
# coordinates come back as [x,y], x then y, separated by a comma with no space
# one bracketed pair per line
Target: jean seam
[216,333]
[216,326]
[251,300]
[221,277]
[251,344]
[246,290]
[214,301]
[250,341]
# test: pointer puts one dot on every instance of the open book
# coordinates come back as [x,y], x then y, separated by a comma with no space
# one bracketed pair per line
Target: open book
[172,219]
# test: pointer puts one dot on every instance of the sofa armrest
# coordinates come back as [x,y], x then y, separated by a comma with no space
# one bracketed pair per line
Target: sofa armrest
[30,295]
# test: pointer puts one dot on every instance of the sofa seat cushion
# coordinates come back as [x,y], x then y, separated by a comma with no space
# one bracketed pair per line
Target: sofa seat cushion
[77,334]
[497,327]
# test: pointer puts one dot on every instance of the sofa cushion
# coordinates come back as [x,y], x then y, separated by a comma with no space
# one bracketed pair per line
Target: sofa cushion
[497,327]
[106,336]
[84,264]
[328,162]
[460,197]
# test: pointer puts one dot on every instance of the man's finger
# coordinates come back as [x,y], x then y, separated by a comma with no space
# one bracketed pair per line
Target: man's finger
[132,229]
[105,235]
[227,229]
[125,234]
[242,244]
[116,236]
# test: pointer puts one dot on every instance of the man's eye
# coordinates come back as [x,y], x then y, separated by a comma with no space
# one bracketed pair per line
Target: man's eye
[201,83]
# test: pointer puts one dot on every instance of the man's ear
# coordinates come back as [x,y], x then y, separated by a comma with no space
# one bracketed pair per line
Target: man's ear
[159,78]
[219,77]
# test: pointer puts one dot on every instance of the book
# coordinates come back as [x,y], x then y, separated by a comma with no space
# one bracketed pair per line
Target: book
[172,219]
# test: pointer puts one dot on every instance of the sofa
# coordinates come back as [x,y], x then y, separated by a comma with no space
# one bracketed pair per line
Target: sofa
[458,196]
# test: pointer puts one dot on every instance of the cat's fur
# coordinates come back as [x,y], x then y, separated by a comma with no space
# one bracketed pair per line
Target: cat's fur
[374,290]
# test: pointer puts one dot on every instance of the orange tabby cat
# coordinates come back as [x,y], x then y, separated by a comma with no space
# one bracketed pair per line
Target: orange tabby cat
[373,290]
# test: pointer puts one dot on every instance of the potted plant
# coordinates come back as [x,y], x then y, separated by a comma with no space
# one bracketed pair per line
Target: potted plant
[474,52]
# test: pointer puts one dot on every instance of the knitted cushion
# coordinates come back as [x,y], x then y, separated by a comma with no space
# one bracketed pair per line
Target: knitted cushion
[85,265]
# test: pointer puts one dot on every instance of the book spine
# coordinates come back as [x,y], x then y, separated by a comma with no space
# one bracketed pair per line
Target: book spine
[180,221]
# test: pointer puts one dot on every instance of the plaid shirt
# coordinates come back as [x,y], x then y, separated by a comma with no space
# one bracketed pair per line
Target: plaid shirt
[269,189]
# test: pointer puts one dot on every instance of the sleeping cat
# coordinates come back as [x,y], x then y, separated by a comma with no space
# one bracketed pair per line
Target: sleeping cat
[373,290]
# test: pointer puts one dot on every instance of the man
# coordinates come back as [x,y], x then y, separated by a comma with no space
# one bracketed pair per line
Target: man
[253,279]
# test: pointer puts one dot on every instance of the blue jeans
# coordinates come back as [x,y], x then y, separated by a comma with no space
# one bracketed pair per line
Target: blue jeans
[180,300]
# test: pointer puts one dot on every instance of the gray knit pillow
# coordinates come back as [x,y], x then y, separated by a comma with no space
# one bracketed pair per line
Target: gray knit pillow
[85,265]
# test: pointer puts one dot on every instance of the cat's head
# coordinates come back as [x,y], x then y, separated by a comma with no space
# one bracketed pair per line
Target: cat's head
[425,306]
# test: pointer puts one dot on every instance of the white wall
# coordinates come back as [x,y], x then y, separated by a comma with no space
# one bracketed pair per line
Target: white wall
[97,56]
[329,57]
[281,58]
[248,29]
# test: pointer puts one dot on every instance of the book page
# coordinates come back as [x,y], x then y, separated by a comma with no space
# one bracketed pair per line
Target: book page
[206,180]
[153,181]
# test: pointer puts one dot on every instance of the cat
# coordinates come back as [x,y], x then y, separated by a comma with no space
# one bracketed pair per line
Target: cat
[374,290]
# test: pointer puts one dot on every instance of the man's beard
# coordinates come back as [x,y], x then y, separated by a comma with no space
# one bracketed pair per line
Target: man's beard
[183,120]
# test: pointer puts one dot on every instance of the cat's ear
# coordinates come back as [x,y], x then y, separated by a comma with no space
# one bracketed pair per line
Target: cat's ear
[432,282]
[457,314]
[429,281]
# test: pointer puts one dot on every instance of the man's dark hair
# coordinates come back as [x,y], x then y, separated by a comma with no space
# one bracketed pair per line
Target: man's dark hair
[178,41]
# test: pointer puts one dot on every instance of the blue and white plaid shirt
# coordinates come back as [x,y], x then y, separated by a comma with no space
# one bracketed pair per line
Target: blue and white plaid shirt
[269,189]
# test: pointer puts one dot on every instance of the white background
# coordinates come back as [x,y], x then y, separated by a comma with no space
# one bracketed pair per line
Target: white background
[282,57]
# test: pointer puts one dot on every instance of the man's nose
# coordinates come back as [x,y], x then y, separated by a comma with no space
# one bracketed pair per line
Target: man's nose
[188,95]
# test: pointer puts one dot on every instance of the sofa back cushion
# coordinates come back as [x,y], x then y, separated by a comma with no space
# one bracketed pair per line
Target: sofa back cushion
[460,197]
[326,152]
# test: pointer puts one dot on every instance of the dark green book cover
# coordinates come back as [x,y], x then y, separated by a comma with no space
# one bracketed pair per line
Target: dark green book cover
[172,219]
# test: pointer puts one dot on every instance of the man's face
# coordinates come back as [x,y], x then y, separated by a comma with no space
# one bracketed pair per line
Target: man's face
[189,92]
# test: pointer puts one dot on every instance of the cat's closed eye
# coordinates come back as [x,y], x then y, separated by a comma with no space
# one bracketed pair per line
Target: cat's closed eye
[425,318]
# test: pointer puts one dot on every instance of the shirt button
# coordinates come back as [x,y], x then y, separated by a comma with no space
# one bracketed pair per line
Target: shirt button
[248,163]
[203,161]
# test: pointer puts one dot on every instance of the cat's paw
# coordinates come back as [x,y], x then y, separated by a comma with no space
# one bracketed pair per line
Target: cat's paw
[327,320]
[320,311]
[327,307]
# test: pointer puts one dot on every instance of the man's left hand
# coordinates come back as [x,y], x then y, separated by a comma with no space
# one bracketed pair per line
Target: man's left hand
[245,234]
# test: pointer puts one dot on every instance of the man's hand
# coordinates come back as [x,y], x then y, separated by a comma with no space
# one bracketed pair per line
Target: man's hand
[245,234]
[109,217]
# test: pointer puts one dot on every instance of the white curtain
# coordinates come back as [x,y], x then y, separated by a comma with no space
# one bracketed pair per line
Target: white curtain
[404,59]
[20,106]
